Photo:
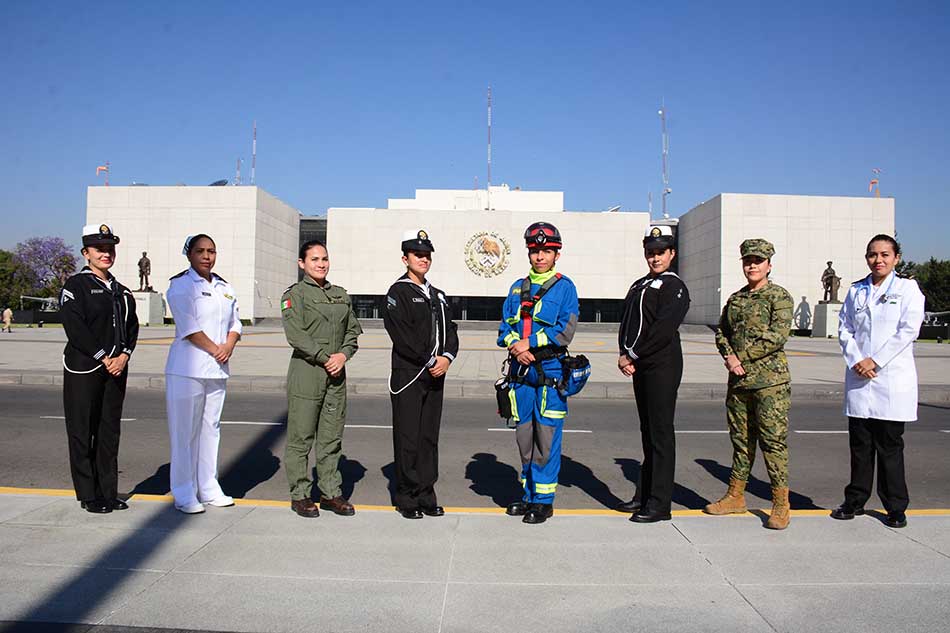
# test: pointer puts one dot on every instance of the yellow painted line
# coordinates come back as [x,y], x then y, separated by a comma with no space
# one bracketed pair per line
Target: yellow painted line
[273,503]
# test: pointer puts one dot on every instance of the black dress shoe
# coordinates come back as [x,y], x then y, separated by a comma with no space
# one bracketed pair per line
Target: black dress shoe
[895,520]
[538,513]
[846,512]
[119,504]
[629,506]
[96,506]
[517,509]
[410,513]
[433,511]
[650,516]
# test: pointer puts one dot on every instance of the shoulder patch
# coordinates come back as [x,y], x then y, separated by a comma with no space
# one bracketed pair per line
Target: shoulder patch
[390,302]
[286,304]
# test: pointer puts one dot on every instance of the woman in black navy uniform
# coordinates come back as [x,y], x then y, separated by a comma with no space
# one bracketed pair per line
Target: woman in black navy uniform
[650,352]
[98,315]
[418,319]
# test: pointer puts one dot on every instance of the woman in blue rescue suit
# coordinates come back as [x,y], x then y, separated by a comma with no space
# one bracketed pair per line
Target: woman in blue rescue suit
[537,326]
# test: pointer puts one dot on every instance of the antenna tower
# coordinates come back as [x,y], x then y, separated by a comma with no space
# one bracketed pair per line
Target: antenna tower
[237,174]
[488,189]
[254,156]
[666,159]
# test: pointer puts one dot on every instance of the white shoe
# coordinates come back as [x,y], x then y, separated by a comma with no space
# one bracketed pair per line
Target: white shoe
[191,508]
[223,501]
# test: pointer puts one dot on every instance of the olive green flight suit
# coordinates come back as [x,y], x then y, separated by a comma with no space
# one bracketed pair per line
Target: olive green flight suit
[318,321]
[755,326]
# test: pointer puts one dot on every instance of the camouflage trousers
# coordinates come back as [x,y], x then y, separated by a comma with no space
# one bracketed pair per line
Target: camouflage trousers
[760,416]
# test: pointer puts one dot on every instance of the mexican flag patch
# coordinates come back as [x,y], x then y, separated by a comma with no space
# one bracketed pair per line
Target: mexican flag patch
[285,304]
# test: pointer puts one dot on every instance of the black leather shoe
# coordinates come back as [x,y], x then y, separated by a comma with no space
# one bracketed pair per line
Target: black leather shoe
[650,516]
[410,513]
[538,513]
[96,506]
[895,520]
[433,511]
[845,512]
[517,509]
[631,506]
[119,504]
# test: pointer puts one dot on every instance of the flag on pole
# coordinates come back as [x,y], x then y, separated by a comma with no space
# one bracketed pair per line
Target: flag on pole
[872,184]
[102,168]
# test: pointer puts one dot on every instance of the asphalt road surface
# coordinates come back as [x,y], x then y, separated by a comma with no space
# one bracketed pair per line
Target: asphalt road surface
[478,458]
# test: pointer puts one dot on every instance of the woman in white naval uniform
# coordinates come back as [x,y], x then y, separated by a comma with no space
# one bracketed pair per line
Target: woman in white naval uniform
[207,327]
[879,321]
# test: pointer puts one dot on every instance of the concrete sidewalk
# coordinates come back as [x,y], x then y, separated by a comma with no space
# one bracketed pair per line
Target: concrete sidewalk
[34,357]
[259,567]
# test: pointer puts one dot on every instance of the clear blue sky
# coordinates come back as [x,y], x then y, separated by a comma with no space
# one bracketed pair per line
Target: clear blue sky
[360,101]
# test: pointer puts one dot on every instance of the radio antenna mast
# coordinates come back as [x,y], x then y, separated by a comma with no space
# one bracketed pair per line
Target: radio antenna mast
[488,190]
[254,156]
[666,159]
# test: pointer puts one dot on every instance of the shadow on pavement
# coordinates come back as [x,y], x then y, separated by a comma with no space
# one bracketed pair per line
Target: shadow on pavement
[256,464]
[136,547]
[756,486]
[352,472]
[389,472]
[682,496]
[492,478]
[575,474]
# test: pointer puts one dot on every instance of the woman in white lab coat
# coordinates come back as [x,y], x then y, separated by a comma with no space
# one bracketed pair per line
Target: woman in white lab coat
[879,322]
[207,327]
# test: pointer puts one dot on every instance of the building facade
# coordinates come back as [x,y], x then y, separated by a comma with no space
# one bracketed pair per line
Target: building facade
[807,231]
[256,235]
[479,252]
[478,237]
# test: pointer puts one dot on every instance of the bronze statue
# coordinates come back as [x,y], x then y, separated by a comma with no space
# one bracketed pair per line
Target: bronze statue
[831,284]
[145,269]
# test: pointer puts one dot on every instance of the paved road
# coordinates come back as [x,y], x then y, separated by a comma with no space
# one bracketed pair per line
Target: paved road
[478,456]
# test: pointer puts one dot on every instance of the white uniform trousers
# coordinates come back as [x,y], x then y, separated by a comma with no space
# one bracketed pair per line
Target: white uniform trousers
[194,429]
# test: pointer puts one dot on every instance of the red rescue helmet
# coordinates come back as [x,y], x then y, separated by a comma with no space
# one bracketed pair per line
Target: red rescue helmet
[542,235]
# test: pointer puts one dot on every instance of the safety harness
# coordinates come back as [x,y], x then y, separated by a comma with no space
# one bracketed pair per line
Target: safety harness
[528,302]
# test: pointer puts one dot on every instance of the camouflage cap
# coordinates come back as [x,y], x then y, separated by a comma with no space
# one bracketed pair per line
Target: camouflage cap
[757,246]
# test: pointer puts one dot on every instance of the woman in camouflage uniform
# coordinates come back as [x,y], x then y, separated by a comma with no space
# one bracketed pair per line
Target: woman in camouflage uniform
[754,326]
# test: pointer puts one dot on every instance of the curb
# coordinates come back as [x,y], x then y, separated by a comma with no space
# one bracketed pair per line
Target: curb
[470,388]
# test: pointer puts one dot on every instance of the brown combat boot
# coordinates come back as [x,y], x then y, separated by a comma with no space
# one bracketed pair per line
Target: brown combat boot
[781,511]
[733,502]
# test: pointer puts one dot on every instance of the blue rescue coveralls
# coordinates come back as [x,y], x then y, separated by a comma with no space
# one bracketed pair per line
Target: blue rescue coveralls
[539,410]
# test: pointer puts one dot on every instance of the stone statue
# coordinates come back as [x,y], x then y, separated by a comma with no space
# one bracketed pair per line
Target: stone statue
[831,284]
[145,269]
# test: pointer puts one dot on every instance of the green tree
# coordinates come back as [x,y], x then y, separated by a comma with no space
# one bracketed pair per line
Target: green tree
[41,265]
[934,279]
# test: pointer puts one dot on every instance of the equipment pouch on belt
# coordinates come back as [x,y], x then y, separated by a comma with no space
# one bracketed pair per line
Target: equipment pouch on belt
[575,372]
[502,390]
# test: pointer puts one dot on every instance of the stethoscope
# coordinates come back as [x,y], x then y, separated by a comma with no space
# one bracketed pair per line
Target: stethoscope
[866,287]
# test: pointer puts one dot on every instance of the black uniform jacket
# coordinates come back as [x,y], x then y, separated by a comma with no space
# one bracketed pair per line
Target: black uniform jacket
[420,326]
[652,313]
[99,319]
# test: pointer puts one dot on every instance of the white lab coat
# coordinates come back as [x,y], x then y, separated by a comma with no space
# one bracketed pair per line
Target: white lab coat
[195,384]
[881,323]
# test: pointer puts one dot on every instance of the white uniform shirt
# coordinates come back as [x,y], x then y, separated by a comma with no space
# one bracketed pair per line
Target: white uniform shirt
[200,306]
[881,322]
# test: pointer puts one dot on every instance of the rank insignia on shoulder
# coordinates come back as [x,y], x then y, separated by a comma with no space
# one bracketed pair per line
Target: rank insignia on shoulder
[227,296]
[390,302]
[286,304]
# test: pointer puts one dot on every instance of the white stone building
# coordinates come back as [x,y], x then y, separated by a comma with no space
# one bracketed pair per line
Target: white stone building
[256,235]
[480,252]
[807,231]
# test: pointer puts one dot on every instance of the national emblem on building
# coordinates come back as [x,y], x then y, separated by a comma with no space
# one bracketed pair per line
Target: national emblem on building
[487,254]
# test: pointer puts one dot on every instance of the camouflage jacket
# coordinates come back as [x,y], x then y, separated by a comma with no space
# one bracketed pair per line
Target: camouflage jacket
[754,326]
